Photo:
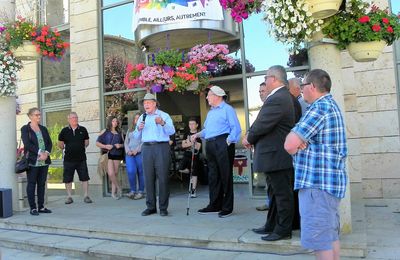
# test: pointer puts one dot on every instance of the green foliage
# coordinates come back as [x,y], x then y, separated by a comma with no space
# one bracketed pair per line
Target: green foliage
[56,153]
[19,31]
[172,58]
[55,175]
[356,24]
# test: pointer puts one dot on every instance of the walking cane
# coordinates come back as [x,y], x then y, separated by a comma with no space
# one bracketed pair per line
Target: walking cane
[190,179]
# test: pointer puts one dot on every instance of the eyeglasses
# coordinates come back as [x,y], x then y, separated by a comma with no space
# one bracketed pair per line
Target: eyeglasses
[37,114]
[267,76]
[302,85]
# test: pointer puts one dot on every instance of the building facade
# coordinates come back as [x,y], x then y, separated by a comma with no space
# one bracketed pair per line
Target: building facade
[88,81]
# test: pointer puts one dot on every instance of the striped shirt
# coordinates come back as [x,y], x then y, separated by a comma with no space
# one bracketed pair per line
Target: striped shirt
[322,164]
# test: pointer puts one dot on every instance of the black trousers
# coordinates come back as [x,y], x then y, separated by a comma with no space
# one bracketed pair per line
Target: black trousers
[36,177]
[220,174]
[156,162]
[281,206]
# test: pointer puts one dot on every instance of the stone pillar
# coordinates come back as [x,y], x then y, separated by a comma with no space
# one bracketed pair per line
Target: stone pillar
[323,54]
[8,147]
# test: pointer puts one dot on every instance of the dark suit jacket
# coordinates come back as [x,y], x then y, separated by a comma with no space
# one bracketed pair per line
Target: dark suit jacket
[268,132]
[297,109]
[31,142]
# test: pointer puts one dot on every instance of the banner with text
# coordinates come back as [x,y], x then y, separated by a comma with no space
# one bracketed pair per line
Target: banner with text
[175,11]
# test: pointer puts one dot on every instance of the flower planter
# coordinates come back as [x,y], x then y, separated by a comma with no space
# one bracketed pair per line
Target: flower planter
[156,88]
[27,51]
[193,86]
[212,66]
[322,9]
[366,51]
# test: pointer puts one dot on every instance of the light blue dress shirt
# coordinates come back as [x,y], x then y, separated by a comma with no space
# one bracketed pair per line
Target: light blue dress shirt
[222,119]
[153,132]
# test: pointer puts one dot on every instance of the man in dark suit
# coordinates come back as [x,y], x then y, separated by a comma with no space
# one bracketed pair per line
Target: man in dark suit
[267,134]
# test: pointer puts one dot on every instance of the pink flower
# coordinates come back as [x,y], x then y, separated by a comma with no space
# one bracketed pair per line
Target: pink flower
[376,28]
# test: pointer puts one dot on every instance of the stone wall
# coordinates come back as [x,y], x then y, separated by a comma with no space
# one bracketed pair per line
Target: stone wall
[372,117]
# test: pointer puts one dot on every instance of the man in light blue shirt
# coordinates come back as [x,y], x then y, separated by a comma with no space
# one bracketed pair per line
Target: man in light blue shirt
[221,132]
[156,126]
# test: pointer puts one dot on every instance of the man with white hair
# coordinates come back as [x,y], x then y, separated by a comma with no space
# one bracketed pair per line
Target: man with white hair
[155,127]
[221,131]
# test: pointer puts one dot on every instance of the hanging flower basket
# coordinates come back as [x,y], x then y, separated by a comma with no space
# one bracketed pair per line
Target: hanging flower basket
[27,51]
[322,9]
[366,51]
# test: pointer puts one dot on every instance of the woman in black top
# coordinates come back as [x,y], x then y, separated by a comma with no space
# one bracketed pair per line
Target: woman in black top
[111,141]
[37,146]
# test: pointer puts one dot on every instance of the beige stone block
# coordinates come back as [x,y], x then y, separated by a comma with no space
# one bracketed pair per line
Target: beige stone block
[85,51]
[377,82]
[91,21]
[385,61]
[92,110]
[27,87]
[87,83]
[88,68]
[374,124]
[87,95]
[391,188]
[367,103]
[350,102]
[354,168]
[351,123]
[29,98]
[84,6]
[386,102]
[93,127]
[380,165]
[28,72]
[353,145]
[85,36]
[387,144]
[372,188]
[347,60]
[349,82]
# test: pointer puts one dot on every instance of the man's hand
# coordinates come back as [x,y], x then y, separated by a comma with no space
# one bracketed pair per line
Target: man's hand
[159,121]
[246,143]
[141,126]
[193,138]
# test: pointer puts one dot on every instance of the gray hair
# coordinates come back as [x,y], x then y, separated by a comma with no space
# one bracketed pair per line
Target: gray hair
[296,82]
[279,72]
[32,110]
[72,114]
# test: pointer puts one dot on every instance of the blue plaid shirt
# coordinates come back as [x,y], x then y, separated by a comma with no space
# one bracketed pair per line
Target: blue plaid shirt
[322,164]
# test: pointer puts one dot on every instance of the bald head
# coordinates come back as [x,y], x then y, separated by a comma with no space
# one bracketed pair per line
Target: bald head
[294,87]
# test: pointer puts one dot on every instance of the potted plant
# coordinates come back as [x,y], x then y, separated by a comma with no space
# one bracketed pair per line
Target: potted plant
[190,76]
[291,22]
[170,58]
[132,74]
[241,9]
[155,78]
[361,26]
[28,41]
[211,55]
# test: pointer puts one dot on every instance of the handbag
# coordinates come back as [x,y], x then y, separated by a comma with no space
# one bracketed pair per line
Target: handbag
[102,165]
[21,165]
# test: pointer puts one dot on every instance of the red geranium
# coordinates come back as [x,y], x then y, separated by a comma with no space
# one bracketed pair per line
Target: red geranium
[364,19]
[385,20]
[49,43]
[132,73]
[376,28]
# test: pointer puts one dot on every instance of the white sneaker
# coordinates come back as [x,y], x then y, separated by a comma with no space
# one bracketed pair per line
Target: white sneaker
[193,194]
[138,196]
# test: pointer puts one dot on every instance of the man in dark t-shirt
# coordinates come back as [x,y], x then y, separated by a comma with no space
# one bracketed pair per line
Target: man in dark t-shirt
[74,139]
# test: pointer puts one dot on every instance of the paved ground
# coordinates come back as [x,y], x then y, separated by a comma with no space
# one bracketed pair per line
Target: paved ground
[117,227]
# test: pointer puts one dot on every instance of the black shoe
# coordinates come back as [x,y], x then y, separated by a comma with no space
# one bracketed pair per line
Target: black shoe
[34,212]
[44,210]
[224,213]
[163,213]
[207,210]
[276,237]
[261,231]
[147,212]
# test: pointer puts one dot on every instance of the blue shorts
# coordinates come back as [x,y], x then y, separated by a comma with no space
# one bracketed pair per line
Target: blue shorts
[319,214]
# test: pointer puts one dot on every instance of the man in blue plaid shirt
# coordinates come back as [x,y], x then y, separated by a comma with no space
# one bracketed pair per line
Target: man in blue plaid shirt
[319,149]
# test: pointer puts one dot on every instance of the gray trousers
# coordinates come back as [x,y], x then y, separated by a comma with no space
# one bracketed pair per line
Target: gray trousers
[156,162]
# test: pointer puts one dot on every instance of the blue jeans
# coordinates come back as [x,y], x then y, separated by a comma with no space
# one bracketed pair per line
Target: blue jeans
[134,166]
